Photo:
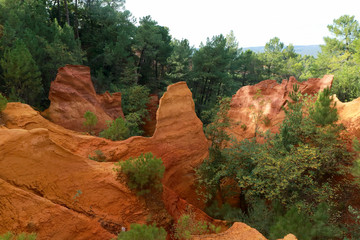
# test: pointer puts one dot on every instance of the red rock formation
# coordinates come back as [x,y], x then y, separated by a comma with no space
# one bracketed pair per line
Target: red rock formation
[349,115]
[150,122]
[239,231]
[31,161]
[72,94]
[26,211]
[52,162]
[252,104]
[179,139]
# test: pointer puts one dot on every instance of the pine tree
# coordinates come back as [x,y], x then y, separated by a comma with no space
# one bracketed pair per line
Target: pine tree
[324,111]
[21,74]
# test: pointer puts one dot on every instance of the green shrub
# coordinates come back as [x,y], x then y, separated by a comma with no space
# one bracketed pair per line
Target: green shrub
[304,226]
[99,156]
[142,232]
[3,103]
[117,130]
[187,225]
[324,111]
[21,236]
[134,104]
[266,121]
[259,215]
[144,173]
[353,226]
[135,99]
[90,121]
[133,122]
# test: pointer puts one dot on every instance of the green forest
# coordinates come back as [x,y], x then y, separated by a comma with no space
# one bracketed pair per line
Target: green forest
[299,180]
[38,37]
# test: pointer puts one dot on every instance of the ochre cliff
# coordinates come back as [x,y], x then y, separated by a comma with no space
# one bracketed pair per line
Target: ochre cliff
[24,211]
[178,139]
[239,231]
[349,115]
[46,160]
[260,105]
[72,94]
[150,121]
[32,163]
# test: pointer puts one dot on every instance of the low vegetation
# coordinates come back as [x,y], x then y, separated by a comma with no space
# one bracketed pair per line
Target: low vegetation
[3,103]
[90,121]
[144,173]
[142,232]
[132,56]
[187,225]
[301,173]
[117,130]
[21,236]
[98,156]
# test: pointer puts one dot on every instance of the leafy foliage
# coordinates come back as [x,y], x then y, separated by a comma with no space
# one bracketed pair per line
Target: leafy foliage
[21,236]
[214,170]
[187,225]
[117,130]
[21,73]
[135,100]
[324,111]
[298,165]
[153,43]
[144,173]
[299,162]
[304,226]
[140,232]
[98,157]
[90,121]
[3,103]
[339,57]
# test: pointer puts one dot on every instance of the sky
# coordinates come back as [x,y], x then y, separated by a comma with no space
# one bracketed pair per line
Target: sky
[254,22]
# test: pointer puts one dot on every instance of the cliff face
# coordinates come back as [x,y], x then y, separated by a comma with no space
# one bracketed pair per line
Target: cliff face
[89,192]
[22,211]
[72,94]
[260,106]
[45,170]
[45,161]
[349,115]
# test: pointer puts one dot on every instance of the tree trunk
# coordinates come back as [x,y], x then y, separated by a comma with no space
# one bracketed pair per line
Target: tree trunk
[67,12]
[58,13]
[243,204]
[203,92]
[76,23]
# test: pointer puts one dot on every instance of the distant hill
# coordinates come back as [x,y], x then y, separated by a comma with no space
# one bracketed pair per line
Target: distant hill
[311,50]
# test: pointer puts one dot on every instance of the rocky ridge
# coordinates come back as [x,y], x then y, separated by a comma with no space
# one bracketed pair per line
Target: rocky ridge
[72,94]
[46,166]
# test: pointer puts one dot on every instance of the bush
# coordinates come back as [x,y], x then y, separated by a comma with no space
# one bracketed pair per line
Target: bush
[3,103]
[187,226]
[90,121]
[21,236]
[324,111]
[133,121]
[259,215]
[141,232]
[144,173]
[117,130]
[134,104]
[304,226]
[135,100]
[99,156]
[266,120]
